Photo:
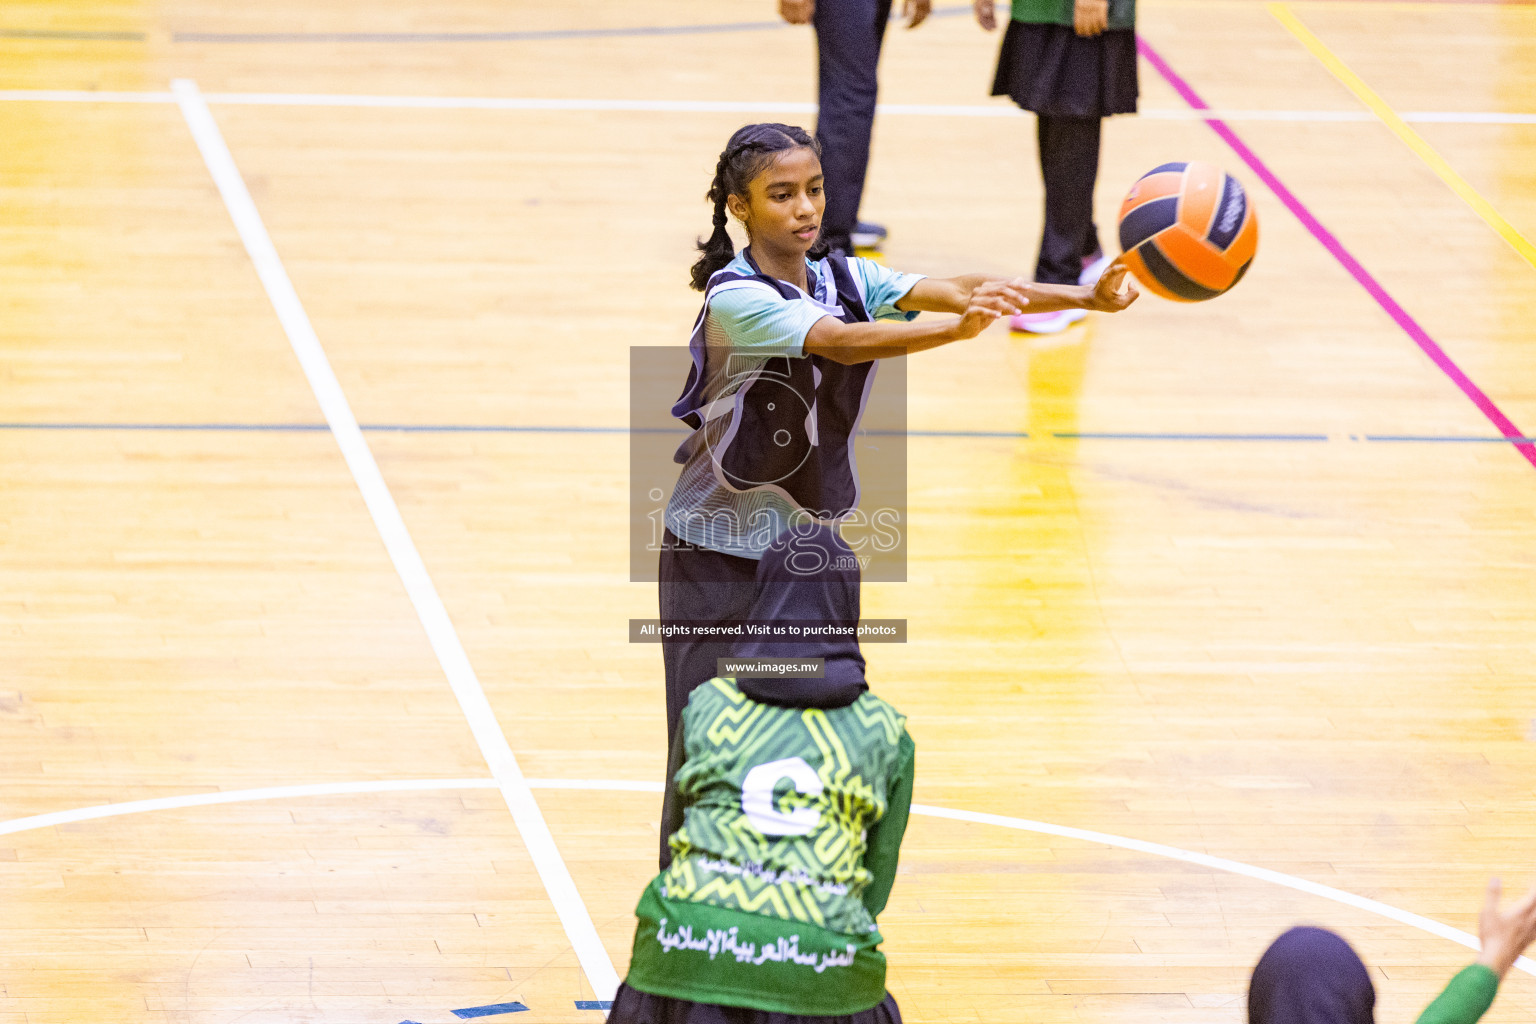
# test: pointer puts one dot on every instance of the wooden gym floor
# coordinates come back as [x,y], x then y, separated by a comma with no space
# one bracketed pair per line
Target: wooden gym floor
[1250,580]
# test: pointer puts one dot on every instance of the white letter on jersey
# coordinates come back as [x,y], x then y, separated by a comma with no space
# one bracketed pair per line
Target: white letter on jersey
[757,797]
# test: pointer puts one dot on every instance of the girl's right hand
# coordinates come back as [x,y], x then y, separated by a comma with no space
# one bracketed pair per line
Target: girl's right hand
[1090,17]
[986,13]
[1112,292]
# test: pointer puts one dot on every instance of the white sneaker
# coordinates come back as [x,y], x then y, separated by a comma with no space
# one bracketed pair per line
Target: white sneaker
[1093,268]
[1046,323]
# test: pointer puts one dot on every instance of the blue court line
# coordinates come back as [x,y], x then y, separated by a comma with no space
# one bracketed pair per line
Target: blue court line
[630,32]
[276,427]
[1422,439]
[44,33]
[1125,436]
[947,433]
[412,428]
[494,428]
[594,1004]
[489,1011]
[472,428]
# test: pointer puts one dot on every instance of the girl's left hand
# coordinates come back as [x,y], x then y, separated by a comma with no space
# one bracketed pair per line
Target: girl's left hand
[989,302]
[1113,292]
[1008,298]
[1090,17]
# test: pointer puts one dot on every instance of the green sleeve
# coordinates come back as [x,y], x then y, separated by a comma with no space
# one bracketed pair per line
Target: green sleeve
[672,801]
[1122,13]
[1465,999]
[1042,12]
[885,838]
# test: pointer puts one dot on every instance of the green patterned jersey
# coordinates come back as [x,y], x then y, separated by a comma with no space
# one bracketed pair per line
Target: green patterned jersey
[791,823]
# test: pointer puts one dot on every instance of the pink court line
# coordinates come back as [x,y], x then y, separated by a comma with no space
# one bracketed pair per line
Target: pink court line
[1399,315]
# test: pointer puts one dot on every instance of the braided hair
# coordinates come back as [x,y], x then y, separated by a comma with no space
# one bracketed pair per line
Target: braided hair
[750,150]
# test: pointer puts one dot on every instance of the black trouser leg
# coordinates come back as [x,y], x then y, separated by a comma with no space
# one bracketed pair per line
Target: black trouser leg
[848,37]
[699,585]
[1069,163]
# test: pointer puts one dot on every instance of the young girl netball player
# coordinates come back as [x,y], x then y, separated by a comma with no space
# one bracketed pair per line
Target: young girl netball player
[785,813]
[783,357]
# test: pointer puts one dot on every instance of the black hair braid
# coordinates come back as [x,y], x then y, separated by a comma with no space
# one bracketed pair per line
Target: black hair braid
[744,156]
[719,250]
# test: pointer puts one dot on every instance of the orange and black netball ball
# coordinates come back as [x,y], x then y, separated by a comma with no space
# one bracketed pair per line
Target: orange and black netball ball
[1188,231]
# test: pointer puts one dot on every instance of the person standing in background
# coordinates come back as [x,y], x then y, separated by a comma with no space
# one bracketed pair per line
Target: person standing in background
[1072,62]
[848,38]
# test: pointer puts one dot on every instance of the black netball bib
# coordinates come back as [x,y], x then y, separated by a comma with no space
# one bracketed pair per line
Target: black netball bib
[792,419]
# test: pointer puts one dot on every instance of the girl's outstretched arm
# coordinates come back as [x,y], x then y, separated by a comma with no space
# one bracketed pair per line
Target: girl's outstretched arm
[953,294]
[854,343]
[978,298]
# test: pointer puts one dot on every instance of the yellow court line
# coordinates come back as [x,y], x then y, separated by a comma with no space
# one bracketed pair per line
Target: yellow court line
[1401,6]
[1355,84]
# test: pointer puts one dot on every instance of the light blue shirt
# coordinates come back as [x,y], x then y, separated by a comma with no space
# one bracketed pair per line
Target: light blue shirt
[748,322]
[751,315]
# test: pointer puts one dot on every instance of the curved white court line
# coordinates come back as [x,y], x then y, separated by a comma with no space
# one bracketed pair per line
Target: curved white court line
[235,796]
[1234,867]
[1327,892]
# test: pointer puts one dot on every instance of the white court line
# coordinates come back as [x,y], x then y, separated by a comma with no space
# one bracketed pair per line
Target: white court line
[294,99]
[1235,867]
[515,103]
[1327,892]
[173,803]
[397,541]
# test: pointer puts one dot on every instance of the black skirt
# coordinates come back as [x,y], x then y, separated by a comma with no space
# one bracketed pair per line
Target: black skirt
[1052,70]
[631,1006]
